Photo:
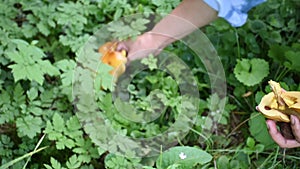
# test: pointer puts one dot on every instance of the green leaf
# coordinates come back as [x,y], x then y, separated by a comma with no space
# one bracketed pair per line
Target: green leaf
[113,161]
[293,60]
[139,24]
[58,122]
[48,68]
[43,28]
[64,142]
[150,61]
[29,126]
[73,128]
[275,36]
[259,148]
[67,67]
[106,80]
[73,162]
[52,134]
[257,26]
[187,157]
[276,52]
[28,62]
[251,72]
[32,94]
[55,164]
[223,162]
[258,129]
[275,20]
[19,97]
[250,142]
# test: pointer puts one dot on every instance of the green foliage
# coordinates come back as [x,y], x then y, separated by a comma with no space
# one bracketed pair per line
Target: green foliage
[129,28]
[118,162]
[6,146]
[40,45]
[258,130]
[289,56]
[29,126]
[72,163]
[251,72]
[182,157]
[28,62]
[252,148]
[150,61]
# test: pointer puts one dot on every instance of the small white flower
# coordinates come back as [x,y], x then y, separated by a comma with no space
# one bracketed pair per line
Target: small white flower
[182,156]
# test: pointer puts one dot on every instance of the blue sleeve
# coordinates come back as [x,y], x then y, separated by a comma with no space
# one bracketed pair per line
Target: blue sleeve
[234,11]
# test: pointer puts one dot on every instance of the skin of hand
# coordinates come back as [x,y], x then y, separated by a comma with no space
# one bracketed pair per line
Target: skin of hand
[278,137]
[188,16]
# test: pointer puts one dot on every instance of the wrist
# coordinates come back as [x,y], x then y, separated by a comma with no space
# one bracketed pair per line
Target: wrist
[156,40]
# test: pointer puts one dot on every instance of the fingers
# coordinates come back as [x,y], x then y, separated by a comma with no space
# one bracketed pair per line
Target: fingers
[136,50]
[295,124]
[278,138]
[123,46]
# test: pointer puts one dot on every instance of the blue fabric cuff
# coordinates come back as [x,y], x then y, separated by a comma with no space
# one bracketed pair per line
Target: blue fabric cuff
[234,11]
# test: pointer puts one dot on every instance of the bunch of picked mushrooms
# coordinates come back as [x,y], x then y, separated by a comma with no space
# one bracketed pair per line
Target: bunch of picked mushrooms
[279,104]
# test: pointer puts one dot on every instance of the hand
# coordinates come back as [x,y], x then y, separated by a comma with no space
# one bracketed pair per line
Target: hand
[280,139]
[142,46]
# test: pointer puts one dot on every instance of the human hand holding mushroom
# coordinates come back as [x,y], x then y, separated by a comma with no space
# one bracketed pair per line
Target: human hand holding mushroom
[282,106]
[116,59]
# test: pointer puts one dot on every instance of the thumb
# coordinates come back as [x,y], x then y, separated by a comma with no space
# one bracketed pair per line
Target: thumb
[123,45]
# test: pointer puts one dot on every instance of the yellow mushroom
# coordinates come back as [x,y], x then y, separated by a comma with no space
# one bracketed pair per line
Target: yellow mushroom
[279,104]
[116,59]
[268,107]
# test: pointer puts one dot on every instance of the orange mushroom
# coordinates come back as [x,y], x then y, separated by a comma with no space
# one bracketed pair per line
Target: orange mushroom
[279,104]
[113,58]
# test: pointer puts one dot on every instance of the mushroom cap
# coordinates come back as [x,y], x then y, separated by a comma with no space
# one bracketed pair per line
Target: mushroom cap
[280,103]
[292,99]
[268,107]
[116,59]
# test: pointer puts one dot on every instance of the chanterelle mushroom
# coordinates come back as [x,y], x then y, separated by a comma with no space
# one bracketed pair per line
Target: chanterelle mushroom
[116,59]
[278,104]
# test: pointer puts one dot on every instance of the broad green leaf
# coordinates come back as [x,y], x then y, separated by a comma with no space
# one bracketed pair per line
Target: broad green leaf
[223,162]
[257,25]
[251,72]
[258,129]
[187,157]
[293,60]
[275,20]
[275,36]
[276,52]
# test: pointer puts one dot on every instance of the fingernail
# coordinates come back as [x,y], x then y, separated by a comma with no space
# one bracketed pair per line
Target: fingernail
[293,120]
[268,126]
